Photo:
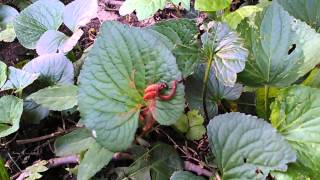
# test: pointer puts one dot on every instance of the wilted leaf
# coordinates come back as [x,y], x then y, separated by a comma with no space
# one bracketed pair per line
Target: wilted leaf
[19,79]
[79,12]
[36,19]
[244,145]
[75,142]
[185,175]
[3,73]
[122,63]
[146,9]
[56,98]
[210,5]
[181,34]
[282,48]
[295,113]
[305,10]
[93,161]
[216,91]
[35,170]
[10,113]
[225,49]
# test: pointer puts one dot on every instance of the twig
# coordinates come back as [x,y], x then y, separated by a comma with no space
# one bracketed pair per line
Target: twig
[41,138]
[200,171]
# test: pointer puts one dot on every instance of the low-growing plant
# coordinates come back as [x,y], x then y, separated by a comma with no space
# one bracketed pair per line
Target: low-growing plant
[176,74]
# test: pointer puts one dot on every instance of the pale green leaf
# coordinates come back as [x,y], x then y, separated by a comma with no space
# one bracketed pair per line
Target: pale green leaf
[54,69]
[33,172]
[243,144]
[305,10]
[10,113]
[93,161]
[282,48]
[122,63]
[235,18]
[185,175]
[216,91]
[75,142]
[7,15]
[226,50]
[36,19]
[313,80]
[147,8]
[79,12]
[182,35]
[8,34]
[211,5]
[3,73]
[56,98]
[19,79]
[295,113]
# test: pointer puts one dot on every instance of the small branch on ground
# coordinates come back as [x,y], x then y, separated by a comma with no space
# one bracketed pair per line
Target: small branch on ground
[199,170]
[41,138]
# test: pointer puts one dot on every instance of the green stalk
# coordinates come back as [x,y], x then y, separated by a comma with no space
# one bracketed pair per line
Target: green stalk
[266,102]
[205,87]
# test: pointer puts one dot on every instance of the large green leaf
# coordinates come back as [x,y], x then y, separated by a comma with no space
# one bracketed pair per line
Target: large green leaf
[56,98]
[7,15]
[313,80]
[19,79]
[93,161]
[305,10]
[122,63]
[146,8]
[75,142]
[225,49]
[216,91]
[36,19]
[79,12]
[185,175]
[158,163]
[282,48]
[244,145]
[182,36]
[10,113]
[210,5]
[54,69]
[3,73]
[295,113]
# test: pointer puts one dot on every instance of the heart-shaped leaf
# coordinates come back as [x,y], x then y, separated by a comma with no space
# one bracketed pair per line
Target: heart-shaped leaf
[185,175]
[246,147]
[54,69]
[3,73]
[93,161]
[182,36]
[122,63]
[282,48]
[305,10]
[225,49]
[295,113]
[19,79]
[36,19]
[10,113]
[56,98]
[216,91]
[79,12]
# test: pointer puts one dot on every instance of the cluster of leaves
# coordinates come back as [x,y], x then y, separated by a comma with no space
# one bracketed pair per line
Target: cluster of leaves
[270,49]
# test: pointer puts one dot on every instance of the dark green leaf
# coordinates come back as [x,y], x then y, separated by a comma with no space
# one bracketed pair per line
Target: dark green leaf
[185,175]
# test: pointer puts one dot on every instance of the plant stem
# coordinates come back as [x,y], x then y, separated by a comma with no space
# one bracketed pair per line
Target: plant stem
[205,87]
[266,102]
